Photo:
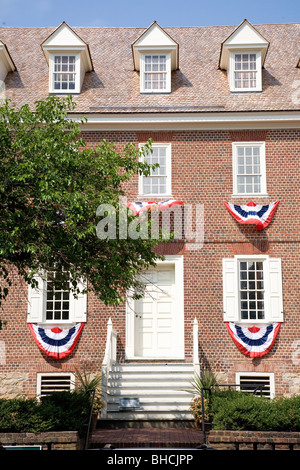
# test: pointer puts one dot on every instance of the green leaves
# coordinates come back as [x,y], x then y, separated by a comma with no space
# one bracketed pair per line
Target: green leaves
[51,185]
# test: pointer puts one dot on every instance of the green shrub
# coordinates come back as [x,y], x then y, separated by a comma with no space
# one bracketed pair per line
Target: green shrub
[61,411]
[22,415]
[235,410]
[70,409]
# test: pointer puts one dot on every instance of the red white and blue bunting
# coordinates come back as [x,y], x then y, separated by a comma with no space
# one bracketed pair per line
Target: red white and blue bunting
[138,207]
[253,341]
[252,213]
[56,342]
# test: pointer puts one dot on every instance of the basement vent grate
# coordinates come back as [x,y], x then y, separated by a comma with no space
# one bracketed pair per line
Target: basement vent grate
[258,384]
[50,383]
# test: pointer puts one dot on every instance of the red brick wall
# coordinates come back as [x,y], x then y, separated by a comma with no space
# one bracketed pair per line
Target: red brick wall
[201,174]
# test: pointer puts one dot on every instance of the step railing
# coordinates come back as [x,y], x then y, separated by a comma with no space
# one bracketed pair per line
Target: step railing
[196,348]
[110,358]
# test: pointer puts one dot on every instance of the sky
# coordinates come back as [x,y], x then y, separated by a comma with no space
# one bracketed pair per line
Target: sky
[141,13]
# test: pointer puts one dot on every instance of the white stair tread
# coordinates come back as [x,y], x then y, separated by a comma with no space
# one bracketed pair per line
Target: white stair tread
[152,384]
[162,389]
[148,367]
[142,391]
[149,399]
[150,416]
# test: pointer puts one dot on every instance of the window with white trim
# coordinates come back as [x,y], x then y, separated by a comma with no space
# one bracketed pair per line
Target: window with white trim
[256,383]
[58,301]
[252,289]
[155,73]
[249,168]
[245,71]
[50,382]
[47,303]
[158,183]
[64,73]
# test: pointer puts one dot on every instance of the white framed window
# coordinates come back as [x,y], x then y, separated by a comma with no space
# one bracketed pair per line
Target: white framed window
[155,72]
[48,304]
[158,183]
[64,73]
[245,71]
[58,305]
[252,289]
[249,168]
[49,382]
[251,274]
[257,383]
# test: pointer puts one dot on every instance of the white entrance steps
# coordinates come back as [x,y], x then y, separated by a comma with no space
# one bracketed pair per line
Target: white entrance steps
[160,388]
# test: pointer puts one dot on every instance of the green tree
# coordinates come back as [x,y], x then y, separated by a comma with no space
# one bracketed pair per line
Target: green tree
[50,188]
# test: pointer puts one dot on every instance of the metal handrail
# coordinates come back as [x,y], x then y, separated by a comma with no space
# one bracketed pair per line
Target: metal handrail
[92,391]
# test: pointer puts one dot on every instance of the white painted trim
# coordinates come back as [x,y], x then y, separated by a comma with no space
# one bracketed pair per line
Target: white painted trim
[238,376]
[262,146]
[168,147]
[37,303]
[39,376]
[267,297]
[77,72]
[258,70]
[177,261]
[168,72]
[144,120]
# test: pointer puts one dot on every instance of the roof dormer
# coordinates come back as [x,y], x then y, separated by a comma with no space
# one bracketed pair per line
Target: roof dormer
[6,62]
[69,58]
[243,55]
[155,56]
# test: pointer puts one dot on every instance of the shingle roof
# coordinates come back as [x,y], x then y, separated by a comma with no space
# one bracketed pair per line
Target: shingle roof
[198,85]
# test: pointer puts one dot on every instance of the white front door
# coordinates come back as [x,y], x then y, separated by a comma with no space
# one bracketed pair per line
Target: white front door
[158,330]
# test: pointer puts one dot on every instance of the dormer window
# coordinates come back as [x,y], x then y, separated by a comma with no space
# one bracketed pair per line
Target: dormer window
[6,62]
[64,76]
[155,73]
[242,56]
[155,55]
[245,71]
[69,59]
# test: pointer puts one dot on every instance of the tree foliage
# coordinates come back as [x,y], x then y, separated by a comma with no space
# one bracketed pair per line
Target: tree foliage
[50,188]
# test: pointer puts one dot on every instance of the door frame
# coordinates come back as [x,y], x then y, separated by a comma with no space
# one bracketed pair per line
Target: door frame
[177,262]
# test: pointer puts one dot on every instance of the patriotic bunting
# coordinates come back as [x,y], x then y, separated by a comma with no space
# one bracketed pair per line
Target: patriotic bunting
[56,342]
[138,207]
[253,341]
[252,213]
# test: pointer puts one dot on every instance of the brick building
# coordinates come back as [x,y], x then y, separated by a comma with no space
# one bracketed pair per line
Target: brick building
[222,107]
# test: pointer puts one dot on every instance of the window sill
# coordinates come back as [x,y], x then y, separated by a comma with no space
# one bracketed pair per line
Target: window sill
[250,195]
[53,324]
[156,196]
[249,90]
[64,93]
[258,323]
[155,92]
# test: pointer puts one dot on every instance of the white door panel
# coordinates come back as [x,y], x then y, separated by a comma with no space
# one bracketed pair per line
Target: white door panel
[156,315]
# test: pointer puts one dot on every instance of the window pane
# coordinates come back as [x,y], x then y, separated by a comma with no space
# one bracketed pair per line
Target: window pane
[245,71]
[156,182]
[155,72]
[251,290]
[57,305]
[248,165]
[64,76]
